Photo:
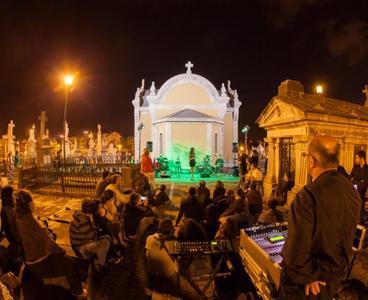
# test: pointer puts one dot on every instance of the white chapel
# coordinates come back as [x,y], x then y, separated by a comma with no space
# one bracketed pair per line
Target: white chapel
[186,111]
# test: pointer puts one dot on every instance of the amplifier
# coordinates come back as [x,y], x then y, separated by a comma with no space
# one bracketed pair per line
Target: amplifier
[260,249]
[198,248]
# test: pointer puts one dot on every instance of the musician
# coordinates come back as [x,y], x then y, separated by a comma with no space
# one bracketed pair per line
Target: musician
[219,164]
[192,161]
[322,221]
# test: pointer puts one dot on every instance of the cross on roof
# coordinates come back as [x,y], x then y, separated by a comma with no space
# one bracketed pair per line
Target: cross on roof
[189,65]
[365,91]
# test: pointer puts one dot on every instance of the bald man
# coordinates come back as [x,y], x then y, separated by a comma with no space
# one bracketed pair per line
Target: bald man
[322,221]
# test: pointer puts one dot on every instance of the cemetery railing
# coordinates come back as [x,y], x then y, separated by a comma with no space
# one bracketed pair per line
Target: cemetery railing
[72,179]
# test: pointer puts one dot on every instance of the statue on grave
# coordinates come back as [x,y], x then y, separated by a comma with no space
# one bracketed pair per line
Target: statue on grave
[32,133]
[66,133]
[10,129]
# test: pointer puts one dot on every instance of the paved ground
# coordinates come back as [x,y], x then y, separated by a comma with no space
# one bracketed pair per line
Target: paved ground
[120,283]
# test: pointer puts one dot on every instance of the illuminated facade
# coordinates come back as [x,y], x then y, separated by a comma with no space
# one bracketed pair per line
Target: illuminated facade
[186,111]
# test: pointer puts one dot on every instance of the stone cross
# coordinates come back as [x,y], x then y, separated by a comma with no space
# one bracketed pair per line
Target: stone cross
[365,91]
[43,119]
[189,66]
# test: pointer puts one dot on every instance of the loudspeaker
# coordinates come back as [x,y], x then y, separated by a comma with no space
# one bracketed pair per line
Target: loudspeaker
[235,147]
[149,146]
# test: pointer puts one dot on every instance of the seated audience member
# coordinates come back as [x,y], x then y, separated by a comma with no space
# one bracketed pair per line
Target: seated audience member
[8,219]
[240,194]
[162,268]
[116,188]
[133,213]
[254,174]
[255,201]
[222,204]
[108,218]
[190,230]
[42,256]
[159,263]
[271,215]
[190,207]
[254,158]
[210,223]
[241,214]
[219,190]
[203,193]
[284,187]
[84,237]
[142,186]
[102,184]
[160,198]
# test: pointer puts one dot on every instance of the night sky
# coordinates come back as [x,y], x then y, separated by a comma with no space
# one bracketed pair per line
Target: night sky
[112,45]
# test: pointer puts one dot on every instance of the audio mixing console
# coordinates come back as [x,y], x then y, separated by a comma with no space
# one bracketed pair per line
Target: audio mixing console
[260,249]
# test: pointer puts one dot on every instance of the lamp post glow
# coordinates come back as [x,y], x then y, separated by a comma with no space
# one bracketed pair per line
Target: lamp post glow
[319,89]
[68,82]
[245,130]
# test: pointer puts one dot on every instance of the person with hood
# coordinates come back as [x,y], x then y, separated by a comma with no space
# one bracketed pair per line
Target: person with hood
[42,255]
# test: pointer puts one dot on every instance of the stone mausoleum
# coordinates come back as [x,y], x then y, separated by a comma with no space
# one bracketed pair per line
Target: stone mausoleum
[186,111]
[293,117]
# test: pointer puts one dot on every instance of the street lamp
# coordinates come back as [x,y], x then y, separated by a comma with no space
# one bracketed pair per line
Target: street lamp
[140,127]
[68,82]
[245,130]
[319,89]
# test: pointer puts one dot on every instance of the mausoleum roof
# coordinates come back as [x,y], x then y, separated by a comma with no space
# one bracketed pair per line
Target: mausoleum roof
[188,113]
[323,105]
[292,104]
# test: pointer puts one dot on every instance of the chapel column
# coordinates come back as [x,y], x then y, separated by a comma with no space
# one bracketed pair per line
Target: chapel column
[209,139]
[269,178]
[168,143]
[347,154]
[301,167]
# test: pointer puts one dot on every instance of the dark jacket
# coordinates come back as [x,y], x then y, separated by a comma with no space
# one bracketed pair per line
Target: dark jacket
[283,189]
[132,216]
[81,230]
[161,198]
[359,177]
[321,225]
[191,208]
[8,223]
[219,192]
[203,191]
[255,203]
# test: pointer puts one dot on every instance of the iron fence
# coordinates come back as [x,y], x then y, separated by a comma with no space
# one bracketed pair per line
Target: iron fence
[72,179]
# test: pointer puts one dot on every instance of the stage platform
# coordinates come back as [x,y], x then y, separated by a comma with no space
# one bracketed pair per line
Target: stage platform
[177,186]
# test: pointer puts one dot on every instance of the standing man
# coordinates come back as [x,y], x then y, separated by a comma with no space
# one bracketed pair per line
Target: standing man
[322,221]
[147,166]
[242,161]
[359,177]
